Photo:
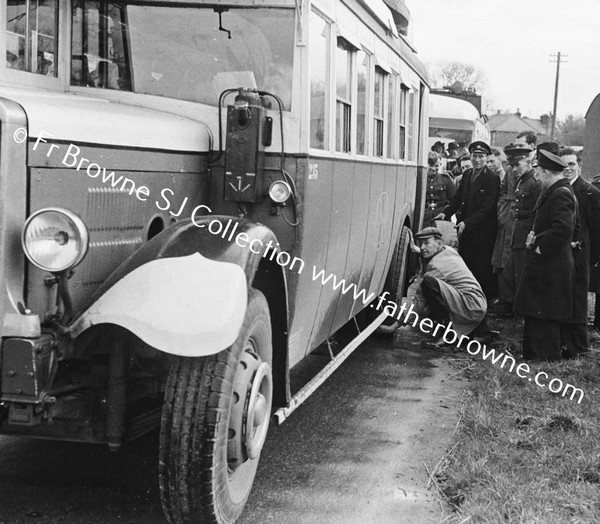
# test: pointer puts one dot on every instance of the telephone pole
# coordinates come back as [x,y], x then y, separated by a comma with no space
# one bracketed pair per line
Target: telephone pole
[558,58]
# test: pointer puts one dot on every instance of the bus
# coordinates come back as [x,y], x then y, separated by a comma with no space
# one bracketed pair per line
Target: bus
[452,119]
[591,141]
[195,196]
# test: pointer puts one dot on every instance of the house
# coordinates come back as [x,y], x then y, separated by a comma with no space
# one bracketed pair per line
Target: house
[504,127]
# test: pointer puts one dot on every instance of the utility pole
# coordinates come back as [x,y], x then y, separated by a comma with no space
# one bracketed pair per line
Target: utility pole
[558,58]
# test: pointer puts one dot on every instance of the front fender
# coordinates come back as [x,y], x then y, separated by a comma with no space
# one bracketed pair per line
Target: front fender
[185,291]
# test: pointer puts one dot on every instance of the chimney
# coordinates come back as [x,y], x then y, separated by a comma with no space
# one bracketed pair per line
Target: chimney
[518,113]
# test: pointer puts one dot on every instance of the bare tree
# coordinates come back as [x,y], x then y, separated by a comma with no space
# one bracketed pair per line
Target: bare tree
[458,75]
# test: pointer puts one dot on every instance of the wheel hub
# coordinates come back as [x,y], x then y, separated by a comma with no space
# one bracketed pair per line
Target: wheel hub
[250,409]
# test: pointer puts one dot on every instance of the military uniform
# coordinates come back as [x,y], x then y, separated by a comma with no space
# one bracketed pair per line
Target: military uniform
[544,294]
[506,220]
[475,204]
[527,191]
[440,190]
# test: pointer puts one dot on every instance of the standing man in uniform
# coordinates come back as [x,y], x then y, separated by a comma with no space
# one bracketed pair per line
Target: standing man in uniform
[544,296]
[519,192]
[440,188]
[586,247]
[474,205]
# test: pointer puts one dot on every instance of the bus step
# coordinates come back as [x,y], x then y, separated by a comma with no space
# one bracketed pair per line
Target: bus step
[282,413]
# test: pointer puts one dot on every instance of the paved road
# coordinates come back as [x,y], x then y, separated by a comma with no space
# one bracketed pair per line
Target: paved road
[353,453]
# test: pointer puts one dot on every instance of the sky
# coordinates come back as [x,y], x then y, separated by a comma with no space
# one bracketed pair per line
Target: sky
[512,42]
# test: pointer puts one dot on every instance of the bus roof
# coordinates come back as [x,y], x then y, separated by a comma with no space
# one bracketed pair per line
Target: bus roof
[441,106]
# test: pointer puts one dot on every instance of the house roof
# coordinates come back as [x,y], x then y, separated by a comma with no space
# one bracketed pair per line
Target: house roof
[536,124]
[510,123]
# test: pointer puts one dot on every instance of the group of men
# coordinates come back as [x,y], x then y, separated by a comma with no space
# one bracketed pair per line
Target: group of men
[527,239]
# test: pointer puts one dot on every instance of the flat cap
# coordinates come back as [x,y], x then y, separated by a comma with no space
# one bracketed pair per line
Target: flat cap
[550,161]
[480,147]
[553,147]
[428,232]
[515,152]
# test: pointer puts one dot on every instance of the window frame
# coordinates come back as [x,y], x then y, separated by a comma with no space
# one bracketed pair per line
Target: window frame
[379,143]
[347,105]
[404,92]
[392,117]
[369,87]
[328,115]
[27,78]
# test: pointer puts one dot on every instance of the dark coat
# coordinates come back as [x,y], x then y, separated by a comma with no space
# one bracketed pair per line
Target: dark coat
[595,246]
[545,290]
[475,204]
[440,190]
[506,219]
[515,214]
[588,205]
[527,192]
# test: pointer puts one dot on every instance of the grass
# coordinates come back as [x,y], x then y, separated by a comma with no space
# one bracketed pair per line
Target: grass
[521,453]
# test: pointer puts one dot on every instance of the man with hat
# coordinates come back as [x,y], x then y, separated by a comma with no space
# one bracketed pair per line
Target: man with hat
[440,188]
[544,294]
[475,207]
[586,249]
[518,194]
[450,291]
[439,148]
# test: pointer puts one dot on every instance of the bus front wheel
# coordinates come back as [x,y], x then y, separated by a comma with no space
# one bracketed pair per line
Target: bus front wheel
[214,423]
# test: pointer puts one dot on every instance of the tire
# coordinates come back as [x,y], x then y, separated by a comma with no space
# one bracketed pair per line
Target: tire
[395,283]
[207,458]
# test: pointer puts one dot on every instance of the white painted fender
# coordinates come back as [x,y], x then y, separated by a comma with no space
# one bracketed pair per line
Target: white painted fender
[188,306]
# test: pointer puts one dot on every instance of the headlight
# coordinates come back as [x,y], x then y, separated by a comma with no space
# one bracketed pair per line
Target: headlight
[280,191]
[55,239]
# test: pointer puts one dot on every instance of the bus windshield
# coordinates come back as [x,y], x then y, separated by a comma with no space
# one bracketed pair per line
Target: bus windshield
[187,53]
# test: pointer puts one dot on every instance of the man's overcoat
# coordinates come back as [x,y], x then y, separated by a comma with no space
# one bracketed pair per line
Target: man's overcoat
[588,200]
[475,204]
[545,290]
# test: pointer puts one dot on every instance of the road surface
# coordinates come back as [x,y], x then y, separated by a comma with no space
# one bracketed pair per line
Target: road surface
[353,453]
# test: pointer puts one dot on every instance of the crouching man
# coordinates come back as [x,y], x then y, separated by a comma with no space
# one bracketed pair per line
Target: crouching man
[449,290]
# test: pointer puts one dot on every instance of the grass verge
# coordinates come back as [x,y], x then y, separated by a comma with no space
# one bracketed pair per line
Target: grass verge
[521,453]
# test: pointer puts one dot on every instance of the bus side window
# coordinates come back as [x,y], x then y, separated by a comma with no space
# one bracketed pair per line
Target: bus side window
[392,103]
[378,111]
[402,117]
[319,83]
[411,115]
[31,36]
[362,117]
[344,75]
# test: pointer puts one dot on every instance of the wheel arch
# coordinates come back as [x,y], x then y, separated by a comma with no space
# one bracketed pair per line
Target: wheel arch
[269,278]
[190,270]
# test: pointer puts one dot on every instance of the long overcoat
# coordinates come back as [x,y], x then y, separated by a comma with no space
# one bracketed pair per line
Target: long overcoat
[595,257]
[475,204]
[506,219]
[527,193]
[545,290]
[588,200]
